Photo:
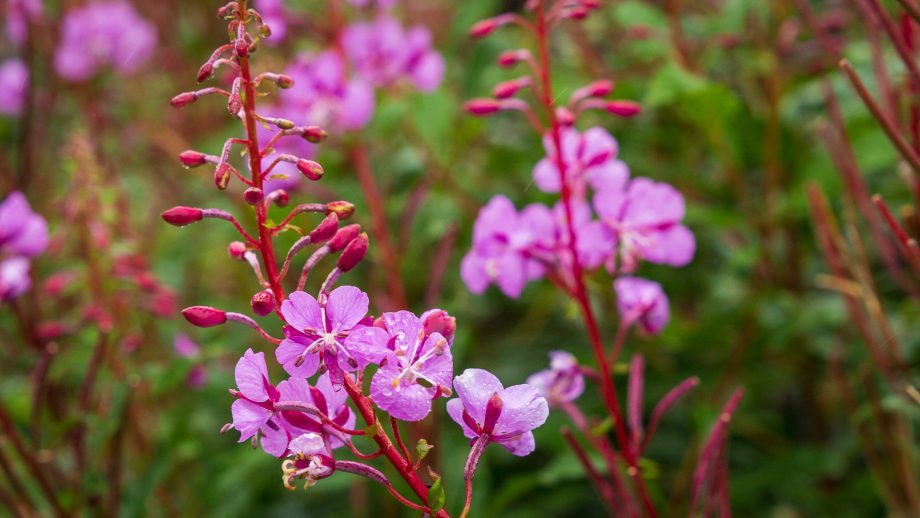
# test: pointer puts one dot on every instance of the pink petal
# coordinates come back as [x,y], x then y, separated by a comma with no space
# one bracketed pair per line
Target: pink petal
[523,410]
[248,417]
[302,311]
[475,387]
[346,307]
[521,445]
[251,376]
[455,411]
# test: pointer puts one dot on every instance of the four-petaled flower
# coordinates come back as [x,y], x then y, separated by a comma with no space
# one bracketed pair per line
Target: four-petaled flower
[643,301]
[562,382]
[505,415]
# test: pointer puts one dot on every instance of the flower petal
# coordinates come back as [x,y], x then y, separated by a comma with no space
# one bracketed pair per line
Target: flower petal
[475,387]
[248,417]
[252,376]
[346,307]
[302,311]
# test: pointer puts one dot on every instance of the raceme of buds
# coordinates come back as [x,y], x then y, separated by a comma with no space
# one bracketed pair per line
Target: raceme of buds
[310,169]
[204,316]
[344,236]
[263,302]
[181,216]
[353,253]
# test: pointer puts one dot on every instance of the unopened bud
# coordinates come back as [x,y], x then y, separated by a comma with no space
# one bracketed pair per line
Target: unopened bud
[623,108]
[509,58]
[241,47]
[326,229]
[253,195]
[353,253]
[181,216]
[344,236]
[234,104]
[236,249]
[265,30]
[508,89]
[193,158]
[342,209]
[314,134]
[600,88]
[284,81]
[310,169]
[482,106]
[578,13]
[204,316]
[439,321]
[565,116]
[263,303]
[483,28]
[205,71]
[281,198]
[222,176]
[183,99]
[284,124]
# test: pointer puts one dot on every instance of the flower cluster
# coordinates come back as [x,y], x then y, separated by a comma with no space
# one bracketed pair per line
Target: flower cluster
[23,236]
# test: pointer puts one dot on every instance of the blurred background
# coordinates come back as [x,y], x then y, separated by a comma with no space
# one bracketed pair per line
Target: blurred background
[118,402]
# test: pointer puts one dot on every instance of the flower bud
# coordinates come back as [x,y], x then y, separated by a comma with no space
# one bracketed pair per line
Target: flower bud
[623,108]
[183,99]
[205,71]
[253,195]
[181,216]
[508,89]
[483,28]
[578,13]
[314,134]
[482,106]
[222,176]
[342,209]
[204,316]
[509,58]
[353,253]
[565,116]
[236,249]
[192,158]
[310,169]
[263,303]
[439,321]
[234,104]
[600,88]
[241,47]
[284,124]
[326,229]
[284,81]
[344,236]
[281,198]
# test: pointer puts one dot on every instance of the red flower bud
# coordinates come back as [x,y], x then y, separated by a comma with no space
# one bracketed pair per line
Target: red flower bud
[482,106]
[344,236]
[205,71]
[241,47]
[253,195]
[353,253]
[263,303]
[204,316]
[507,89]
[236,249]
[281,198]
[623,108]
[314,134]
[483,28]
[439,321]
[193,158]
[284,81]
[600,88]
[183,99]
[565,116]
[181,216]
[326,229]
[310,169]
[222,176]
[509,58]
[342,209]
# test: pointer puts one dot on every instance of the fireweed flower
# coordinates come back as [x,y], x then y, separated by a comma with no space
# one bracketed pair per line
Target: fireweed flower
[14,82]
[642,301]
[311,460]
[562,382]
[23,235]
[273,14]
[383,52]
[185,347]
[331,332]
[506,246]
[590,158]
[18,14]
[593,243]
[416,369]
[14,278]
[645,220]
[253,412]
[505,415]
[103,34]
[325,398]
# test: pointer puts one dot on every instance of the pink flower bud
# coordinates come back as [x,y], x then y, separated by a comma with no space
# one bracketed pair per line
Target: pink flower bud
[241,47]
[565,116]
[353,253]
[579,13]
[236,249]
[600,88]
[483,28]
[181,216]
[281,198]
[204,316]
[284,81]
[439,321]
[342,209]
[193,158]
[263,303]
[623,108]
[234,104]
[508,89]
[509,58]
[482,106]
[183,99]
[314,134]
[344,236]
[253,195]
[310,169]
[326,229]
[222,176]
[205,71]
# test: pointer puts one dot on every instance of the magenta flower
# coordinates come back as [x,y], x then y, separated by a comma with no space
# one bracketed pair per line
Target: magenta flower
[253,411]
[331,332]
[507,247]
[382,52]
[645,219]
[14,278]
[593,243]
[312,460]
[14,84]
[330,402]
[417,368]
[562,382]
[22,232]
[505,415]
[273,15]
[185,347]
[643,301]
[18,14]
[103,34]
[590,158]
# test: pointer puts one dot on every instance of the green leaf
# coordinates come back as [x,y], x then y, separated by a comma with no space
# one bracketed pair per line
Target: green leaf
[436,496]
[422,449]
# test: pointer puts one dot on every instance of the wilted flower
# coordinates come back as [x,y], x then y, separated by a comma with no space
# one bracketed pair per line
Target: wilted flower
[312,461]
[505,415]
[14,83]
[643,301]
[562,382]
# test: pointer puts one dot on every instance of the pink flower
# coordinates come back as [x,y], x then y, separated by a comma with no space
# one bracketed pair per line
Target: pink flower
[22,232]
[331,332]
[273,15]
[382,52]
[185,347]
[505,415]
[562,382]
[103,34]
[643,301]
[645,219]
[14,278]
[322,395]
[18,15]
[416,369]
[590,158]
[14,84]
[593,242]
[253,411]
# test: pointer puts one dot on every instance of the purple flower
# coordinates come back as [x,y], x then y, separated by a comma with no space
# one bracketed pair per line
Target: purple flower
[185,347]
[273,15]
[18,14]
[332,332]
[103,34]
[593,242]
[642,301]
[507,245]
[417,368]
[382,52]
[505,415]
[14,278]
[562,382]
[590,157]
[312,460]
[645,219]
[253,411]
[322,395]
[14,84]
[22,232]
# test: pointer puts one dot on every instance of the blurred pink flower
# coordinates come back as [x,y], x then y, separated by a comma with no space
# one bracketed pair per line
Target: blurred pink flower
[14,84]
[642,301]
[562,382]
[185,347]
[14,278]
[590,158]
[18,15]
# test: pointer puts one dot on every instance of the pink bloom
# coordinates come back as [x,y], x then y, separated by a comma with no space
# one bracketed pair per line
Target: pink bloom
[253,411]
[382,52]
[14,84]
[645,219]
[274,16]
[103,34]
[414,357]
[23,234]
[185,347]
[642,301]
[331,402]
[562,382]
[197,377]
[593,242]
[381,4]
[331,332]
[506,246]
[14,278]
[18,15]
[590,157]
[505,415]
